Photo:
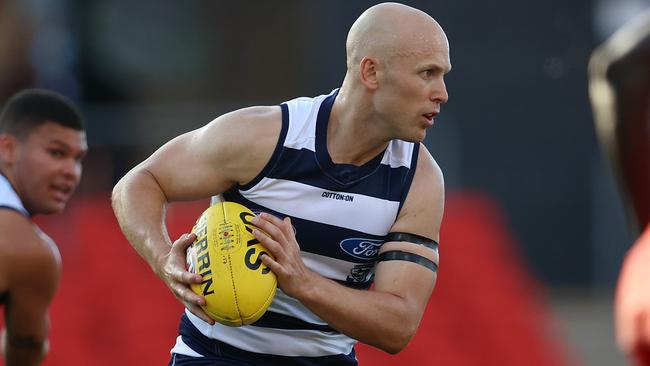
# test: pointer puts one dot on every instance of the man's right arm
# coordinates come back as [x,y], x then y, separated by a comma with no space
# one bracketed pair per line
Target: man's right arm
[229,150]
[139,205]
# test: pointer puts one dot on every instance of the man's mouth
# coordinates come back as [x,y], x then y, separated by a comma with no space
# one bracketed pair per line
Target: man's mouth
[63,190]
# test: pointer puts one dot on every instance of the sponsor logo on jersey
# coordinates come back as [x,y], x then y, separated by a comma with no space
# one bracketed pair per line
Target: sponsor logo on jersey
[361,248]
[338,196]
[361,272]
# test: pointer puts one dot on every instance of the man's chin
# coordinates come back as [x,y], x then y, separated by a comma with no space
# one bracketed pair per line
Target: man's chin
[52,208]
[415,138]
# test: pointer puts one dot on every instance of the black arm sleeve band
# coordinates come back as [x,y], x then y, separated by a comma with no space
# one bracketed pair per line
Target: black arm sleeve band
[412,238]
[398,255]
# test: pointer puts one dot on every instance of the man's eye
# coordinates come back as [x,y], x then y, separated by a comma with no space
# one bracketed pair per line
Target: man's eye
[56,153]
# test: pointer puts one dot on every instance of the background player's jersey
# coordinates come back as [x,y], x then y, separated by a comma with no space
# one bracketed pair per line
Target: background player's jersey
[9,198]
[341,214]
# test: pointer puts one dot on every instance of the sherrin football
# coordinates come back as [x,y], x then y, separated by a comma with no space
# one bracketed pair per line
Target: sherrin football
[237,286]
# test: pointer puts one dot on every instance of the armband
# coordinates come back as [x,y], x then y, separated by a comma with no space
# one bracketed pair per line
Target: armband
[398,255]
[412,238]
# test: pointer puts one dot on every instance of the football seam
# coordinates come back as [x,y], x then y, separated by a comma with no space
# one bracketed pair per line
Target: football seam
[232,275]
[234,289]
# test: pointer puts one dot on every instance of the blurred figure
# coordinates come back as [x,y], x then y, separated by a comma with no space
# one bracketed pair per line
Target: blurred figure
[619,88]
[42,143]
[16,34]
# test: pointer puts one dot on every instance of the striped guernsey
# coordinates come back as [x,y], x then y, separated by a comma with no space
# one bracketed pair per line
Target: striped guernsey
[341,214]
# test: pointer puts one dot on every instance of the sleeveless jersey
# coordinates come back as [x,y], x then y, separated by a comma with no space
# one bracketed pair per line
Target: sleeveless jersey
[9,198]
[341,214]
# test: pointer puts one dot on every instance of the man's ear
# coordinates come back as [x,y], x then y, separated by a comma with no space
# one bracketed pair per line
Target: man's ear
[8,146]
[368,72]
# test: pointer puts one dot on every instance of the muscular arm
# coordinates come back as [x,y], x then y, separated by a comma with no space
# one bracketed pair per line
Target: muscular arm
[231,149]
[31,269]
[619,87]
[387,316]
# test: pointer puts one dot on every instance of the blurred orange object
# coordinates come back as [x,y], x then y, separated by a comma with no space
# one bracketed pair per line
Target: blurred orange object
[632,303]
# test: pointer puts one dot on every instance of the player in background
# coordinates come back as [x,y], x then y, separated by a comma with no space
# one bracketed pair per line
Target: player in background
[619,86]
[347,170]
[42,143]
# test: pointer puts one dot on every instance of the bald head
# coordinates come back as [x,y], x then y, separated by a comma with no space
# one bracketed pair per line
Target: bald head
[391,29]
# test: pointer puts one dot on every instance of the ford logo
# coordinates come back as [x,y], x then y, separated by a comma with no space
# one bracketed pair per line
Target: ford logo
[361,248]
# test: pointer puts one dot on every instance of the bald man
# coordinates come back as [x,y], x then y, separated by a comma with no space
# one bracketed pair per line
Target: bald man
[346,191]
[620,96]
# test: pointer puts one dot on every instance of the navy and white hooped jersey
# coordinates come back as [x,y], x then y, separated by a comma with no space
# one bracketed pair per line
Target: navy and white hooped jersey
[341,214]
[9,198]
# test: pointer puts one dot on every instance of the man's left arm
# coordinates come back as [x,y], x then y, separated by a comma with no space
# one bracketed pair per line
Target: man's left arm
[387,316]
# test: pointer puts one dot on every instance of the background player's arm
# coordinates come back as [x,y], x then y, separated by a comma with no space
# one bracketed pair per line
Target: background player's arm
[231,149]
[619,88]
[32,269]
[387,316]
[619,73]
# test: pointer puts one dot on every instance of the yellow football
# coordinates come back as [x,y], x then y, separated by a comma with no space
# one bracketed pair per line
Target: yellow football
[237,286]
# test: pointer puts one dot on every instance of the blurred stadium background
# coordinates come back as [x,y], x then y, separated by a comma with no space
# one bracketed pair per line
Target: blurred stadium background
[535,227]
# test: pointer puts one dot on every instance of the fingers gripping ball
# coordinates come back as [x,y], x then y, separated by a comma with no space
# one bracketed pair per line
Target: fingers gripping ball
[237,286]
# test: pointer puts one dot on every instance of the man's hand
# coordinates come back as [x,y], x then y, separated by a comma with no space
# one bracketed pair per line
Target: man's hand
[172,271]
[632,304]
[293,276]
